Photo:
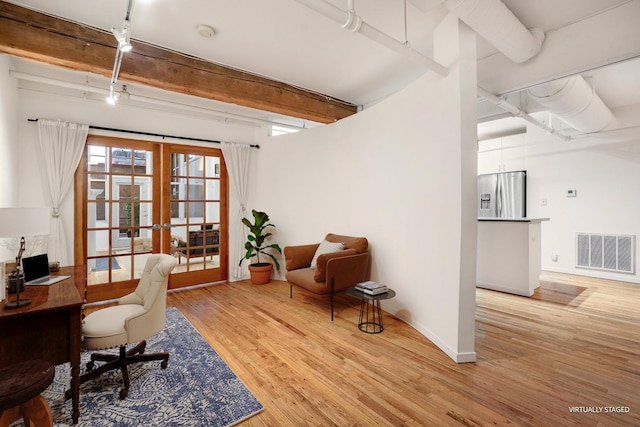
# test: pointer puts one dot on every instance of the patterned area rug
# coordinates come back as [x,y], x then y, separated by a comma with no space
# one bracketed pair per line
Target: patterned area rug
[196,389]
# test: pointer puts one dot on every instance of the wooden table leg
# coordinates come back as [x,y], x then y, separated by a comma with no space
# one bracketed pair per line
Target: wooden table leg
[75,344]
[36,412]
[8,416]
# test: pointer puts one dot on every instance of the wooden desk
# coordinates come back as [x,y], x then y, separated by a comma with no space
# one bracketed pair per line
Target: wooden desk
[49,328]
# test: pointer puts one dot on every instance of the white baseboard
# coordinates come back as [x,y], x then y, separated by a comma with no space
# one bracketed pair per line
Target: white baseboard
[505,289]
[619,277]
[464,357]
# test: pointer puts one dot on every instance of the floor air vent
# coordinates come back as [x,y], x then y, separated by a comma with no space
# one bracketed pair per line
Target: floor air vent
[606,252]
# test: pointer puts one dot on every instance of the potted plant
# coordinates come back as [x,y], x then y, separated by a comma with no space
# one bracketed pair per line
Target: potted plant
[256,245]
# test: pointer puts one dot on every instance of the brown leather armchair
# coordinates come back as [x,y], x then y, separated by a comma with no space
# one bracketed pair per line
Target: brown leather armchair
[334,272]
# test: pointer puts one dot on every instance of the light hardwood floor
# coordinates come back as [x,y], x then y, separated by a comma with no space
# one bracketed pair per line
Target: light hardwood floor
[574,344]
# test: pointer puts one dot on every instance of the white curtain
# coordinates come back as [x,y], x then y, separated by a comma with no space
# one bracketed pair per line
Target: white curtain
[236,157]
[61,145]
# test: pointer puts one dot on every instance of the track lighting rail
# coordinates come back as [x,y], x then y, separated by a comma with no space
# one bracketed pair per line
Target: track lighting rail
[123,37]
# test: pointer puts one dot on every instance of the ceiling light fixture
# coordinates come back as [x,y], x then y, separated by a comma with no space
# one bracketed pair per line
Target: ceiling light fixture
[123,37]
[113,97]
[124,45]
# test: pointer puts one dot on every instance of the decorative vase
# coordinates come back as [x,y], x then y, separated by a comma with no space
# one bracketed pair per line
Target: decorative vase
[260,273]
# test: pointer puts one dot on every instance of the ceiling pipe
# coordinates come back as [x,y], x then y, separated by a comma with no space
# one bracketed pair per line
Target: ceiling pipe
[499,26]
[354,23]
[517,112]
[574,102]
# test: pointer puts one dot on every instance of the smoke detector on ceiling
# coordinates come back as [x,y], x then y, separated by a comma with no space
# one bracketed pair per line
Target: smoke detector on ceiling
[206,31]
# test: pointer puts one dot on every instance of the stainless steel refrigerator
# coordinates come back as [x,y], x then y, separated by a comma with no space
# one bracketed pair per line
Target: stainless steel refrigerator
[502,195]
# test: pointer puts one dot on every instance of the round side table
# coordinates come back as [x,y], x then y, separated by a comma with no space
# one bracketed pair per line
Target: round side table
[20,388]
[370,319]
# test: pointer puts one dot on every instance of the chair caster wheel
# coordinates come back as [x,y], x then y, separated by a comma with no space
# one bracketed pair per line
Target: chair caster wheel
[164,363]
[123,393]
[90,365]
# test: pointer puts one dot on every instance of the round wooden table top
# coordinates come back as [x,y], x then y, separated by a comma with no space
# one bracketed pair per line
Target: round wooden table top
[23,381]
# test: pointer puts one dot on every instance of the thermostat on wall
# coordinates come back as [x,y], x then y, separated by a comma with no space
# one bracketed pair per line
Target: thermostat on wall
[572,193]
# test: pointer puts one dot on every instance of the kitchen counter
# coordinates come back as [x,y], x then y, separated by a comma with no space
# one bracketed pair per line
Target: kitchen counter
[533,220]
[509,258]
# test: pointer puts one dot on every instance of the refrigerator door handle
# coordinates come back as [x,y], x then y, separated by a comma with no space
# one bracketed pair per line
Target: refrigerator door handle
[498,198]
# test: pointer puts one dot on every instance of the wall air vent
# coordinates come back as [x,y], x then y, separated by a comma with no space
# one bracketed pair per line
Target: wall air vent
[606,252]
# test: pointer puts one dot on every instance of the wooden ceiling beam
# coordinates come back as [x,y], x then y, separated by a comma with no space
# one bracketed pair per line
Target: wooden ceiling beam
[43,38]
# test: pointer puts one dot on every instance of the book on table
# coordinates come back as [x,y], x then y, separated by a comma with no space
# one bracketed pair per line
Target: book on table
[369,284]
[371,288]
[374,292]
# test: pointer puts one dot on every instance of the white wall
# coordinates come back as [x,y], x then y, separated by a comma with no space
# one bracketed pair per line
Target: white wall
[8,152]
[8,134]
[402,174]
[603,169]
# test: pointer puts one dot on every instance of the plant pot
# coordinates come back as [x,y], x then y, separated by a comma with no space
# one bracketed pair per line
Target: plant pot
[260,273]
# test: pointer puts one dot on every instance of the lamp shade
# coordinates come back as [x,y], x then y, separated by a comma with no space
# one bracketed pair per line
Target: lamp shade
[20,222]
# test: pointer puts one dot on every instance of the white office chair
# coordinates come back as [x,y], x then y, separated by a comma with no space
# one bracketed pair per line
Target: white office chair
[137,316]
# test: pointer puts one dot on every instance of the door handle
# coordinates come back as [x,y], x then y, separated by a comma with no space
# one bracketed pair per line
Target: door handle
[156,227]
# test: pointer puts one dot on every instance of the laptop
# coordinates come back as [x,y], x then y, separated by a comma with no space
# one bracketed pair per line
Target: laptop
[36,271]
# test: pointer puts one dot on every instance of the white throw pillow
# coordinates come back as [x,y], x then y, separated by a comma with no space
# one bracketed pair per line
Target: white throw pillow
[325,248]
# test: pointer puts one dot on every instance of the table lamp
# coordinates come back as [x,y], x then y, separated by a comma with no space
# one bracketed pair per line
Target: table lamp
[20,222]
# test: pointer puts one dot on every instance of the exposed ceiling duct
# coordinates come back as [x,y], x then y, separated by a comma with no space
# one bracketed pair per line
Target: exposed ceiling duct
[572,99]
[574,102]
[517,112]
[499,26]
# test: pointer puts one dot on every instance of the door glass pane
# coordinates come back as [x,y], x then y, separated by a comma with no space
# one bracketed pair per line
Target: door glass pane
[121,160]
[180,233]
[195,165]
[213,189]
[98,242]
[213,212]
[142,242]
[97,158]
[97,211]
[121,268]
[178,164]
[118,223]
[119,184]
[212,167]
[196,189]
[195,211]
[120,206]
[142,162]
[145,214]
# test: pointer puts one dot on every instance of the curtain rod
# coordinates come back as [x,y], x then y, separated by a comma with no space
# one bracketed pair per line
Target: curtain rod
[153,134]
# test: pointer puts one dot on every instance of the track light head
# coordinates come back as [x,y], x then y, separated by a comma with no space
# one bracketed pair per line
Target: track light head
[125,47]
[113,97]
[123,37]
